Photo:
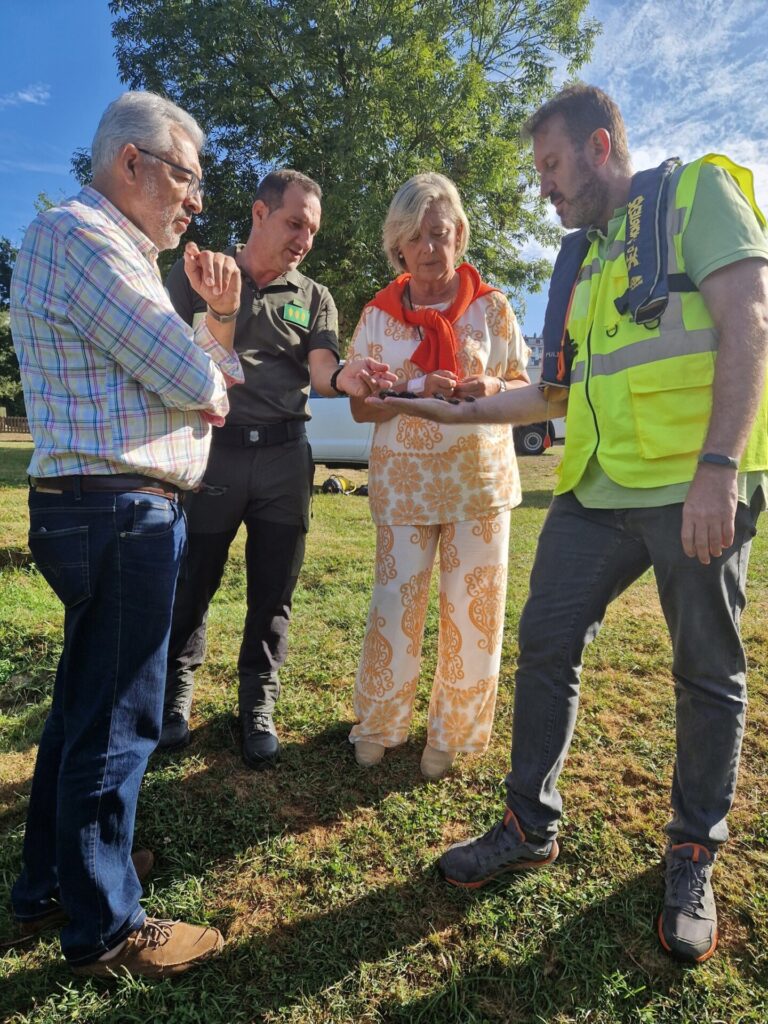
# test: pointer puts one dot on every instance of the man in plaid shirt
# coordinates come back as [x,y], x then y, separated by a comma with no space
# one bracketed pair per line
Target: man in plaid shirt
[121,396]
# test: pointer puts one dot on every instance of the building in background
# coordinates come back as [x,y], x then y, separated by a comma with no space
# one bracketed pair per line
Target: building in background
[535,343]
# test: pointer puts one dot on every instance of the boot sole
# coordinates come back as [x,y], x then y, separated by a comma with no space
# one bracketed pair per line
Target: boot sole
[110,973]
[681,957]
[518,865]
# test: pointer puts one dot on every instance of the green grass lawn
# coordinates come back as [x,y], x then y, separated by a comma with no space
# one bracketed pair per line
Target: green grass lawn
[322,875]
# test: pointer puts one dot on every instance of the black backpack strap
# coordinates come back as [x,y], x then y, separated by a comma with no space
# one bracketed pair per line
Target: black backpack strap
[680,283]
[557,356]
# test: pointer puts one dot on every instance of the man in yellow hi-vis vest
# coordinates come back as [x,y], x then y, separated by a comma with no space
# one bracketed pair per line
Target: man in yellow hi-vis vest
[665,466]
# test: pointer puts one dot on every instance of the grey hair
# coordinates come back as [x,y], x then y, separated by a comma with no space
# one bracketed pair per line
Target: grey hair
[407,209]
[146,120]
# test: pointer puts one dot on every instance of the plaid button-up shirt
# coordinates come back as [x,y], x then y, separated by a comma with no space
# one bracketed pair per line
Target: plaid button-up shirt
[114,380]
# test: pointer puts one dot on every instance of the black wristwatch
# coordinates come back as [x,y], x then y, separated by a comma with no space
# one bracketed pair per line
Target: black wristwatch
[334,377]
[715,459]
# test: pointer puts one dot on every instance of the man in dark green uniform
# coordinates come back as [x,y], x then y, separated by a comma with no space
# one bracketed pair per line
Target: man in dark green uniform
[260,468]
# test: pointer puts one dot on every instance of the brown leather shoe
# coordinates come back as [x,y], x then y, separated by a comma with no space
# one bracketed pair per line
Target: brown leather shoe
[159,949]
[26,931]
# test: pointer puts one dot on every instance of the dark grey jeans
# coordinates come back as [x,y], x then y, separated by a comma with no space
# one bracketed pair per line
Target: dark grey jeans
[586,558]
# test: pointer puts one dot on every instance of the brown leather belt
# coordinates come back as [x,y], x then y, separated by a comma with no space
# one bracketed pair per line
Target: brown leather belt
[114,482]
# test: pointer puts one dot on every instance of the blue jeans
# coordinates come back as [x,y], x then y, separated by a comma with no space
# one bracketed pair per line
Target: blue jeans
[586,558]
[112,559]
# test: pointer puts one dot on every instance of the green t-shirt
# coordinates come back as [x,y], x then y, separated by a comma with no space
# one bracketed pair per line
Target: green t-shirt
[722,229]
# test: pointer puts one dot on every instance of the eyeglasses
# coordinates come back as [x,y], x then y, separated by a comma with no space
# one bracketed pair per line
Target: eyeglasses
[195,185]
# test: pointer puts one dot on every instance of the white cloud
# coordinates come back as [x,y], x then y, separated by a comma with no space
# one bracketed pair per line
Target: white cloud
[34,167]
[689,78]
[37,94]
[532,249]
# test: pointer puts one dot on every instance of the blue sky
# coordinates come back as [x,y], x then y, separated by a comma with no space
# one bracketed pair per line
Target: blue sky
[57,74]
[690,77]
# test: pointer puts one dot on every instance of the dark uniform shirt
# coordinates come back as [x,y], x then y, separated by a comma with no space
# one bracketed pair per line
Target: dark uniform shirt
[277,327]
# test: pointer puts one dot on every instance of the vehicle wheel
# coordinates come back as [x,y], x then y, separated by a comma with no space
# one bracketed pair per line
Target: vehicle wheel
[529,440]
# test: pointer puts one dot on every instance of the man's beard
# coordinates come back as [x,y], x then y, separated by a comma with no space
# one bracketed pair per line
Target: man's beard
[587,205]
[164,235]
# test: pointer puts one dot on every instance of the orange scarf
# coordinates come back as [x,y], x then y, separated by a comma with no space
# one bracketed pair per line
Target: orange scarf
[438,347]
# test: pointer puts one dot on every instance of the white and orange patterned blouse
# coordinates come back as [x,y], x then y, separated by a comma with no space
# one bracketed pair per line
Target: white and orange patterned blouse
[422,473]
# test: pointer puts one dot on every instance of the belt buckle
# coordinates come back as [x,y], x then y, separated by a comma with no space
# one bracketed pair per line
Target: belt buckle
[253,436]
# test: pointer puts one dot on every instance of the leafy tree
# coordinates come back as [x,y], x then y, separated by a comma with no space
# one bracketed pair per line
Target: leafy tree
[10,380]
[8,253]
[361,95]
[80,165]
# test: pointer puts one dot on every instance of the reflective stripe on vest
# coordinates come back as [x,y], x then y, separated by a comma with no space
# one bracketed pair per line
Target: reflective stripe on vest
[641,395]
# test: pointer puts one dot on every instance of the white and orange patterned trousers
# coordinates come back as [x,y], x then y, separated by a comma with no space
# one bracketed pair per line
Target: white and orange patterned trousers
[473,588]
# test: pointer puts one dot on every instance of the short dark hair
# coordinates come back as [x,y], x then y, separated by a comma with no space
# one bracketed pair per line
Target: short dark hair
[585,108]
[272,188]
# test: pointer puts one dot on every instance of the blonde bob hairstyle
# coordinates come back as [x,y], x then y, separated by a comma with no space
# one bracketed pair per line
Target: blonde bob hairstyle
[407,209]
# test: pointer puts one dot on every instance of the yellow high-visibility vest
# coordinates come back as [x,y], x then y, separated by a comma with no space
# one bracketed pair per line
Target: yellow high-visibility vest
[641,395]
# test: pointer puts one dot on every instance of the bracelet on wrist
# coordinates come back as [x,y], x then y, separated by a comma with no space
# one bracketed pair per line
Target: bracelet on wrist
[223,318]
[502,384]
[715,459]
[334,377]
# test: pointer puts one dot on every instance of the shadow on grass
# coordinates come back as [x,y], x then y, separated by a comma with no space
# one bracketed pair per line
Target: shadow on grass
[13,558]
[215,814]
[25,730]
[590,963]
[537,499]
[225,807]
[316,782]
[15,797]
[561,961]
[590,959]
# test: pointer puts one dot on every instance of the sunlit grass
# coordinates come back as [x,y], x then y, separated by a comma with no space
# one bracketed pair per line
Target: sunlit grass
[322,874]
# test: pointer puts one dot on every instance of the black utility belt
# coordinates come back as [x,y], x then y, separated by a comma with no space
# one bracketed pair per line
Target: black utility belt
[259,434]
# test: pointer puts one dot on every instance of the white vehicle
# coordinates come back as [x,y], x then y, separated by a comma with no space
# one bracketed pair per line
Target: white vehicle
[335,438]
[534,438]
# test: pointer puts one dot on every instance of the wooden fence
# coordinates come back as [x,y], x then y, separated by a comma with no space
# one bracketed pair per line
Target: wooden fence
[14,425]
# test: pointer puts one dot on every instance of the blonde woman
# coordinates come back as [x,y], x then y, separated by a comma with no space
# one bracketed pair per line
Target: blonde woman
[436,491]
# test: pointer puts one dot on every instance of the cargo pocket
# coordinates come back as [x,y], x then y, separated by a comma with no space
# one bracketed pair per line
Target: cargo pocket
[671,404]
[62,558]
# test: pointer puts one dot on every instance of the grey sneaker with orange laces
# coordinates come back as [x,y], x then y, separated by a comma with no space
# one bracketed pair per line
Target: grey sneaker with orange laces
[688,923]
[474,862]
[159,949]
